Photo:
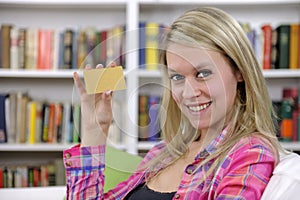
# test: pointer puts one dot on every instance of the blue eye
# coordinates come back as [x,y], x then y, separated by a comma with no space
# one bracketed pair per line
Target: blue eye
[176,77]
[204,73]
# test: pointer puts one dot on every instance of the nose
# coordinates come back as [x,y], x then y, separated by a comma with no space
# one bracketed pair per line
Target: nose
[191,88]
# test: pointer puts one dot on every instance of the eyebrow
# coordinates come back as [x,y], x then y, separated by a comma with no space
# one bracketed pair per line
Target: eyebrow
[197,67]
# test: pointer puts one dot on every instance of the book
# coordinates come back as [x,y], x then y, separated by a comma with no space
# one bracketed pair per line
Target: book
[154,126]
[67,49]
[21,47]
[55,49]
[294,46]
[283,46]
[31,48]
[142,44]
[45,122]
[287,128]
[22,100]
[14,48]
[76,123]
[45,49]
[143,117]
[274,51]
[31,126]
[267,46]
[3,133]
[81,49]
[11,116]
[51,121]
[103,47]
[5,45]
[152,34]
[90,43]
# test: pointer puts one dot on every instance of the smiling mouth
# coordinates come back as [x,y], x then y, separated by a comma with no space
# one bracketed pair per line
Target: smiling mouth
[199,107]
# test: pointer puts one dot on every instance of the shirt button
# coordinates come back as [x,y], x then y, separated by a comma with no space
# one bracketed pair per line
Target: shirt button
[68,155]
[69,163]
[177,196]
[190,169]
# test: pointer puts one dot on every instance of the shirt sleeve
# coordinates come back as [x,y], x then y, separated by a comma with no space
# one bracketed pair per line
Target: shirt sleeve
[84,171]
[246,174]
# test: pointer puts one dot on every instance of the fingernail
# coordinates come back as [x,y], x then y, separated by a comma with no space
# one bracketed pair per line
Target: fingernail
[108,92]
[99,66]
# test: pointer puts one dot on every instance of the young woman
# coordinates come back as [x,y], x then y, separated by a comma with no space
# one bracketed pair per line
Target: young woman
[218,137]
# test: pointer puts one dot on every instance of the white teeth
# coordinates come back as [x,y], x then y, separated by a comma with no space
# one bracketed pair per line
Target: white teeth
[198,108]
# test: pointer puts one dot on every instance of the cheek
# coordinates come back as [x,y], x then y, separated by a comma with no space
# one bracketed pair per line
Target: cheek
[176,93]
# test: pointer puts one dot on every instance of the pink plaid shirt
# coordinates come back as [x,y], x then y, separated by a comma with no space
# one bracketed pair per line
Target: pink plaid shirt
[243,174]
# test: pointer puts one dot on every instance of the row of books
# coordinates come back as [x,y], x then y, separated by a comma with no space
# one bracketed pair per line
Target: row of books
[276,47]
[148,120]
[25,120]
[42,175]
[50,49]
[33,48]
[288,112]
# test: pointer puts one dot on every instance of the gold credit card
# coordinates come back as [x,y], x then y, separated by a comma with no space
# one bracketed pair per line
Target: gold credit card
[104,79]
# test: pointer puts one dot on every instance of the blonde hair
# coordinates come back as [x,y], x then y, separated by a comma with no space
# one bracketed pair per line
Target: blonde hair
[252,113]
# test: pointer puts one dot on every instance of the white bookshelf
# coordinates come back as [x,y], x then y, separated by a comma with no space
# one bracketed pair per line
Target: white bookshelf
[103,14]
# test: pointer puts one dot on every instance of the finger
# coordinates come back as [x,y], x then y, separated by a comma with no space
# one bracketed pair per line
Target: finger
[99,66]
[88,66]
[78,83]
[112,64]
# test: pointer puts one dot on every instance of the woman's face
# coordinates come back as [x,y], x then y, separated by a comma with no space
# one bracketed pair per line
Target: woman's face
[203,85]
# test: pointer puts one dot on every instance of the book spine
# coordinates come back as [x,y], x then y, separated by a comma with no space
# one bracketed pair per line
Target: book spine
[81,50]
[3,134]
[21,47]
[152,32]
[31,48]
[67,49]
[294,50]
[5,42]
[14,46]
[142,44]
[267,46]
[283,46]
[143,117]
[154,129]
[32,119]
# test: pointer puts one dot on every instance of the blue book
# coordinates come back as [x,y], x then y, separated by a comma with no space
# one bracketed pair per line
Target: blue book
[142,44]
[3,133]
[154,126]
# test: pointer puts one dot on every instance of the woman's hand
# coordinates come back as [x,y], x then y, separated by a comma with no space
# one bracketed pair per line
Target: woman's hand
[96,113]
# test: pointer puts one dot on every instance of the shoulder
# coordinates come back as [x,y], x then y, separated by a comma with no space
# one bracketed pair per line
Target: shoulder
[251,150]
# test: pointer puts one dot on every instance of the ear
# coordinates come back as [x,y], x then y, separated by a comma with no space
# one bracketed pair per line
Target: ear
[239,76]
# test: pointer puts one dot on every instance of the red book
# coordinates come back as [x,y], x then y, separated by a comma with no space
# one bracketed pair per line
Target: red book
[103,47]
[45,49]
[267,46]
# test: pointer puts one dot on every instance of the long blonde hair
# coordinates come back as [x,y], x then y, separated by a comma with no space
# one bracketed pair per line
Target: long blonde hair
[252,113]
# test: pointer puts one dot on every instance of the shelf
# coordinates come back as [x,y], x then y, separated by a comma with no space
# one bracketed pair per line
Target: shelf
[218,2]
[43,147]
[293,146]
[35,147]
[7,73]
[142,73]
[281,73]
[36,74]
[62,2]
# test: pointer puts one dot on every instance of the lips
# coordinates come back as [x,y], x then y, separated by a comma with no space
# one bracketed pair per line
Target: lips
[200,107]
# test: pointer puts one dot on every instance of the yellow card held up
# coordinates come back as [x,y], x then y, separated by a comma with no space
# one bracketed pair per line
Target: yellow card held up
[103,79]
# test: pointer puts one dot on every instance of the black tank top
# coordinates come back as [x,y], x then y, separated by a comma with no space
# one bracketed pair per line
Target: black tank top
[145,193]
